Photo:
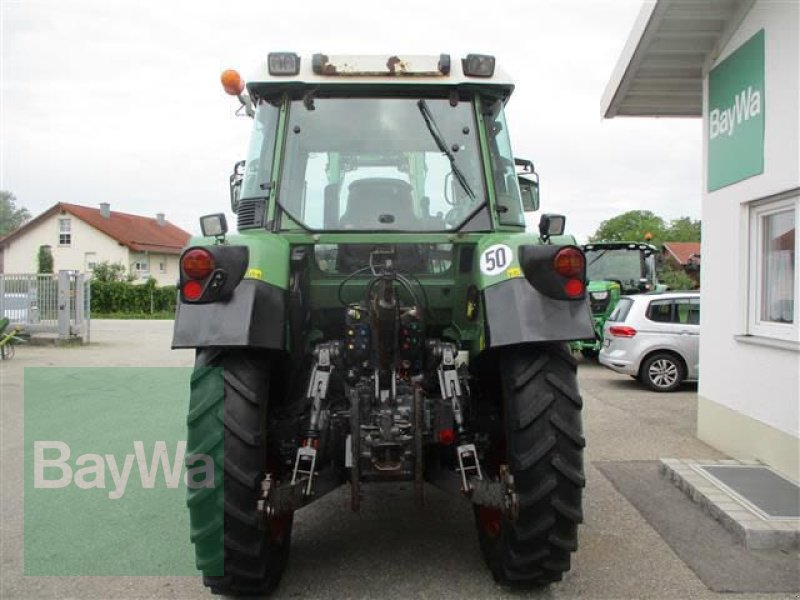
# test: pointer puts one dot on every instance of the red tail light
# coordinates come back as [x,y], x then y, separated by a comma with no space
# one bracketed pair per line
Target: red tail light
[622,331]
[569,262]
[573,288]
[197,263]
[192,290]
[446,436]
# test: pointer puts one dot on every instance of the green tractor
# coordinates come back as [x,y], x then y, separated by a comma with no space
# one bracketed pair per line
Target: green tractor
[382,315]
[615,269]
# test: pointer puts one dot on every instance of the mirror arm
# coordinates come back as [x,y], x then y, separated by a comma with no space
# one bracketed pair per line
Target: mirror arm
[247,105]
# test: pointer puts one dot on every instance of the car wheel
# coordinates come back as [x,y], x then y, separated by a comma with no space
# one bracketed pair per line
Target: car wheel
[662,372]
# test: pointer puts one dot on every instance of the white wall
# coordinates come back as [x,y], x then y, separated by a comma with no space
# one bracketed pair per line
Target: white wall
[21,253]
[168,277]
[762,383]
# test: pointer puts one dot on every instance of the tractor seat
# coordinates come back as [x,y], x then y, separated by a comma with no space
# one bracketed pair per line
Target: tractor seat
[379,203]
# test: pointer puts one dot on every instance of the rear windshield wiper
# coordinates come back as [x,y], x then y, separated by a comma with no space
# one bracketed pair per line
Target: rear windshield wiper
[596,258]
[437,136]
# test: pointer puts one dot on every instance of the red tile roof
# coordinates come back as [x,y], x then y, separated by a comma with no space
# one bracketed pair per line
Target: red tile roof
[682,251]
[141,234]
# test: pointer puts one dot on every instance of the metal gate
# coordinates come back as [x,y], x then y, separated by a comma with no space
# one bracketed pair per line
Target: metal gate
[53,304]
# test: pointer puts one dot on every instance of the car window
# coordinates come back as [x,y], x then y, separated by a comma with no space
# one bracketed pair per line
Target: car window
[687,311]
[620,313]
[660,311]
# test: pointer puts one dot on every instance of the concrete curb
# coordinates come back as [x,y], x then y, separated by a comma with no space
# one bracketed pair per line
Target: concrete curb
[749,528]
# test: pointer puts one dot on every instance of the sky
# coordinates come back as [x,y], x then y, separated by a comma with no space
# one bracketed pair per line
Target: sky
[121,102]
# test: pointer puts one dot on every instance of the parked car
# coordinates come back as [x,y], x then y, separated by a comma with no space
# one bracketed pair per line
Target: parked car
[14,307]
[654,338]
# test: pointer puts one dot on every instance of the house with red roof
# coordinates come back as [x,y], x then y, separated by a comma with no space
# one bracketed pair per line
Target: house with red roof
[683,256]
[80,237]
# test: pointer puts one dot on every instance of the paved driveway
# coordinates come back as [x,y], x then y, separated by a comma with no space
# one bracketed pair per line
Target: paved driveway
[392,549]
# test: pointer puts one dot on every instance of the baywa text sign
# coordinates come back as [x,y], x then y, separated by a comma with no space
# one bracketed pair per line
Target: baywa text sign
[736,107]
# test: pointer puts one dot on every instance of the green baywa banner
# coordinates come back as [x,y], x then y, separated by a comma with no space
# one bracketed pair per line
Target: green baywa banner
[108,465]
[736,110]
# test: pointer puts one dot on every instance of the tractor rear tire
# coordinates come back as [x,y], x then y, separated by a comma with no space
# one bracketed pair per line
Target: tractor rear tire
[229,423]
[544,450]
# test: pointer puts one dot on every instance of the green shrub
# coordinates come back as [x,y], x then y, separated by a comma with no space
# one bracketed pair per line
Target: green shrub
[121,297]
[676,280]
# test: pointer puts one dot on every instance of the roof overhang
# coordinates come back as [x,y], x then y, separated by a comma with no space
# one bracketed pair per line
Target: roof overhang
[671,47]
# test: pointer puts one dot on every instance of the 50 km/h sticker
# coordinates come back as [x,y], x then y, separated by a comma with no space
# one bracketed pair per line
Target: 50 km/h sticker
[495,259]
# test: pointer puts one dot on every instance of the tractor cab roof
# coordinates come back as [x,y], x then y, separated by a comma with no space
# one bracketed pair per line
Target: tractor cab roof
[649,248]
[427,75]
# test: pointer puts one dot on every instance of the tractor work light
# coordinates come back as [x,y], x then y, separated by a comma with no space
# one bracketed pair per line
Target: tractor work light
[283,63]
[215,225]
[478,65]
[232,82]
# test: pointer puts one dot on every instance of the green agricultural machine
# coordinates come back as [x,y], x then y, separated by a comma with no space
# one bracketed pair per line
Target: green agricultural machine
[382,315]
[615,269]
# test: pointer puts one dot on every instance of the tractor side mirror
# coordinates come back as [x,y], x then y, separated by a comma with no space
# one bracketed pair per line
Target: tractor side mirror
[550,225]
[236,185]
[529,190]
[528,184]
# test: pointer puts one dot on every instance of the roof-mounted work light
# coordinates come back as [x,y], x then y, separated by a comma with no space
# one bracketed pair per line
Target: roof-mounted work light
[283,63]
[478,65]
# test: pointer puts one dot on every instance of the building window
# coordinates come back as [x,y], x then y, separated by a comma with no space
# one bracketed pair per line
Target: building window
[774,282]
[162,266]
[65,232]
[90,261]
[142,267]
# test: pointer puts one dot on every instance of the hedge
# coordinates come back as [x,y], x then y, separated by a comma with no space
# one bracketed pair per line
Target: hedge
[124,297]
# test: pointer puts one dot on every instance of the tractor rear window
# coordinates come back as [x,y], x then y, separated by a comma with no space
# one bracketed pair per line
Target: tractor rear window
[366,164]
[432,259]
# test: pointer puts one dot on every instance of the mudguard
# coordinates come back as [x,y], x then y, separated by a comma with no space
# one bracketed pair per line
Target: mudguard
[254,315]
[514,310]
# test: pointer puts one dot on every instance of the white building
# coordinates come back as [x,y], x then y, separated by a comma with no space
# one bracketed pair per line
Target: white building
[735,64]
[81,237]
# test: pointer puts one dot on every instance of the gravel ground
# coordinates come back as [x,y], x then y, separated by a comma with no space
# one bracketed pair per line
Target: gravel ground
[393,549]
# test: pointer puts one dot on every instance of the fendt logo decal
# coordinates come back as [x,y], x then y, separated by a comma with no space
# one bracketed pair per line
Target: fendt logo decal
[746,105]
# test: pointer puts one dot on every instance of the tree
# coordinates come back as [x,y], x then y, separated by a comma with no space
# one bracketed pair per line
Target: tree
[684,229]
[676,279]
[11,217]
[45,259]
[633,226]
[106,271]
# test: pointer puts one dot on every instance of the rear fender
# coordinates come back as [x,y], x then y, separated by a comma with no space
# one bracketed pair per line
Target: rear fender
[254,313]
[514,310]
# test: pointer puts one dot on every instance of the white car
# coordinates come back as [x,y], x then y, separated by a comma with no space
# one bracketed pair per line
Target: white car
[15,306]
[654,338]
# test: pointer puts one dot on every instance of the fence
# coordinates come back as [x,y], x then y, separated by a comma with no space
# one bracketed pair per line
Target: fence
[59,304]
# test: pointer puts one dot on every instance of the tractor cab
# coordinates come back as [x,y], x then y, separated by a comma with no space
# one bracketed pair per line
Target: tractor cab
[615,269]
[346,145]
